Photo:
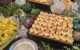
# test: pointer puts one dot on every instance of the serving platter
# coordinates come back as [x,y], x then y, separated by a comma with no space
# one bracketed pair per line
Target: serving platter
[38,2]
[12,37]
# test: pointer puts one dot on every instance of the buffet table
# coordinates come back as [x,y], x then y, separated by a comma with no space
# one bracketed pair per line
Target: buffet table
[36,22]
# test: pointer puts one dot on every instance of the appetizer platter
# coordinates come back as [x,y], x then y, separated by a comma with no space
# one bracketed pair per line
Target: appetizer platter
[54,27]
[8,31]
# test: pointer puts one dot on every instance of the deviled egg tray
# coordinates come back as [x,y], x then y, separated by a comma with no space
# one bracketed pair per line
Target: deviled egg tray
[53,27]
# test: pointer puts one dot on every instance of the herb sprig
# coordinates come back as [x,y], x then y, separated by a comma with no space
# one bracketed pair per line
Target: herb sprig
[47,47]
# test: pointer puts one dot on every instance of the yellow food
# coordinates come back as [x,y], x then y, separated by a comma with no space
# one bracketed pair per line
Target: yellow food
[8,28]
[41,1]
[68,3]
[54,26]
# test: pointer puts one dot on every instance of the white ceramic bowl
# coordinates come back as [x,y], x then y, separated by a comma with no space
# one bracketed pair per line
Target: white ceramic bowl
[24,44]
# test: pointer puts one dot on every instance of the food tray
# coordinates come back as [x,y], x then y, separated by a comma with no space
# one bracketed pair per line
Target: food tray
[12,38]
[38,2]
[48,35]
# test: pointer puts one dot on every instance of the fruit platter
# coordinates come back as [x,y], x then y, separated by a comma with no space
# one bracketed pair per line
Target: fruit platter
[8,30]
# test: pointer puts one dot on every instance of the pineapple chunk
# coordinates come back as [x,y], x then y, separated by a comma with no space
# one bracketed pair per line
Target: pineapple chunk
[0,43]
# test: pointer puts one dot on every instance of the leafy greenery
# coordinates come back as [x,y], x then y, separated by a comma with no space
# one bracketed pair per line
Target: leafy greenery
[13,9]
[47,47]
[10,10]
[67,48]
[27,7]
[75,47]
[2,9]
[76,18]
[35,11]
